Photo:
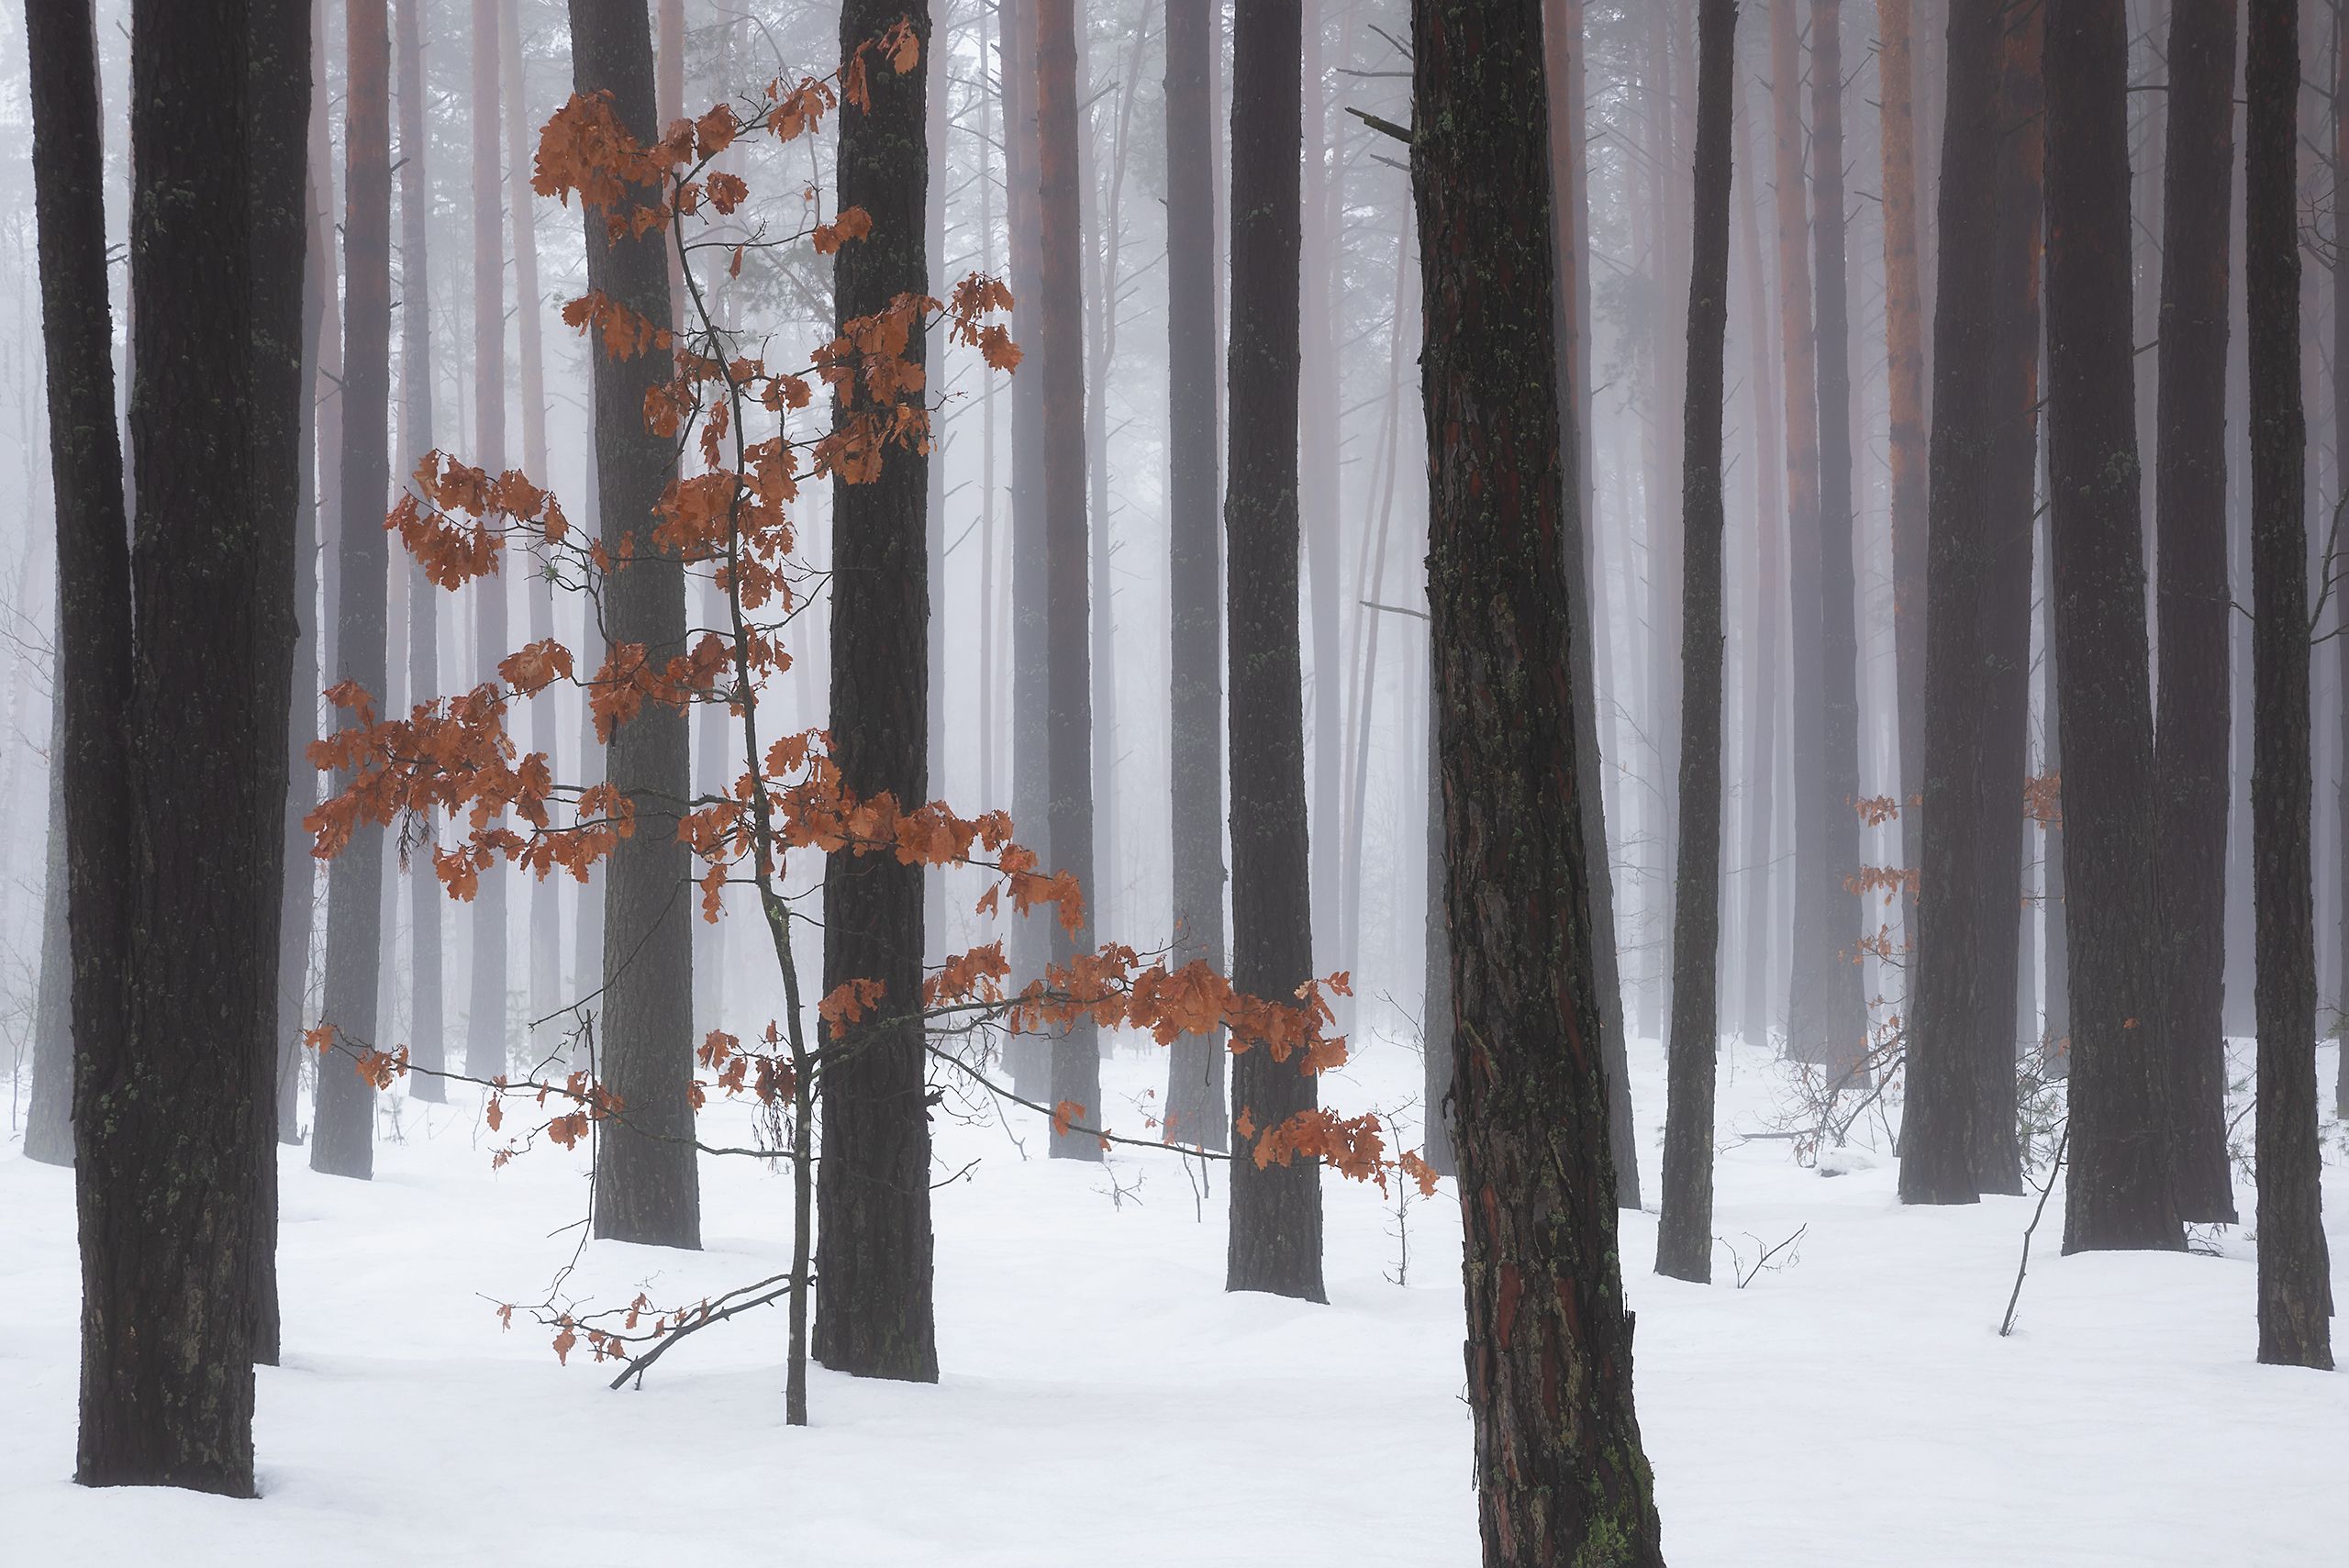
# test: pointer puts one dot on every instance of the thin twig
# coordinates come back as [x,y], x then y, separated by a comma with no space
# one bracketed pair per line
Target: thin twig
[2007,1327]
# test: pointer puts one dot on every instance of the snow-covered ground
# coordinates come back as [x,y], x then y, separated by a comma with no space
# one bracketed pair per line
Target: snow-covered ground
[1103,1401]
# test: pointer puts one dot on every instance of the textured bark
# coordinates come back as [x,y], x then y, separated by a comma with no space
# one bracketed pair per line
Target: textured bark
[1937,1119]
[1561,1476]
[2190,521]
[1904,360]
[342,1128]
[1276,1209]
[426,1038]
[2005,607]
[1197,1105]
[173,934]
[1563,49]
[2295,1274]
[2341,471]
[1826,1013]
[1030,1056]
[647,1188]
[1798,357]
[545,937]
[485,1043]
[1435,1008]
[874,1316]
[1684,1247]
[2118,1193]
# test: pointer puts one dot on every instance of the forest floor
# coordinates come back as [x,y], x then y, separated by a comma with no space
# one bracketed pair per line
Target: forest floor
[1103,1401]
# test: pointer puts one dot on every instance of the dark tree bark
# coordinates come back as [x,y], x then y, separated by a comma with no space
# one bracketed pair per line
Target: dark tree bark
[342,1128]
[1076,1048]
[874,1316]
[1684,1247]
[2190,513]
[1030,1056]
[646,1187]
[426,1038]
[1435,1008]
[485,1044]
[1828,1019]
[1562,40]
[1937,1122]
[174,934]
[1197,1109]
[2005,607]
[1559,1473]
[1275,1210]
[49,1120]
[2341,471]
[2295,1273]
[2118,1193]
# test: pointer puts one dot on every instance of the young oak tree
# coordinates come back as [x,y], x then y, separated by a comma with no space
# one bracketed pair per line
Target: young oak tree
[730,522]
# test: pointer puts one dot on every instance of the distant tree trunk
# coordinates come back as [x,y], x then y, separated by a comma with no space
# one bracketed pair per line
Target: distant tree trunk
[342,1128]
[2056,980]
[175,712]
[1660,441]
[937,129]
[874,1316]
[2005,606]
[547,994]
[426,1038]
[1684,1248]
[1198,1109]
[1076,1059]
[485,1043]
[1561,1476]
[2118,1193]
[1562,37]
[646,1187]
[1277,1211]
[1316,470]
[1904,355]
[2294,1273]
[1798,355]
[1828,1022]
[49,1121]
[1032,793]
[1759,1010]
[2190,511]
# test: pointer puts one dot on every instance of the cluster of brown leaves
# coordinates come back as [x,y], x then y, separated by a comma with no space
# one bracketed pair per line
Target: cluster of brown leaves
[1891,881]
[2042,799]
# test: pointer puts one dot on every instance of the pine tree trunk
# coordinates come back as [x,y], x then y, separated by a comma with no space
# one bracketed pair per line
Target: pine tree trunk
[1759,1009]
[342,1128]
[1276,1209]
[2005,606]
[1684,1247]
[1197,1109]
[2118,1193]
[1559,1473]
[49,1120]
[1904,357]
[546,994]
[1320,392]
[647,1188]
[2340,479]
[2190,512]
[1798,357]
[1562,47]
[426,1037]
[486,1047]
[874,1316]
[1828,1017]
[1032,793]
[2295,1274]
[1077,1059]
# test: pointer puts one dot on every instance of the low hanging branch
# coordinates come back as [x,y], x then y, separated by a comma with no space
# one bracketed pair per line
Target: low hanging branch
[454,760]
